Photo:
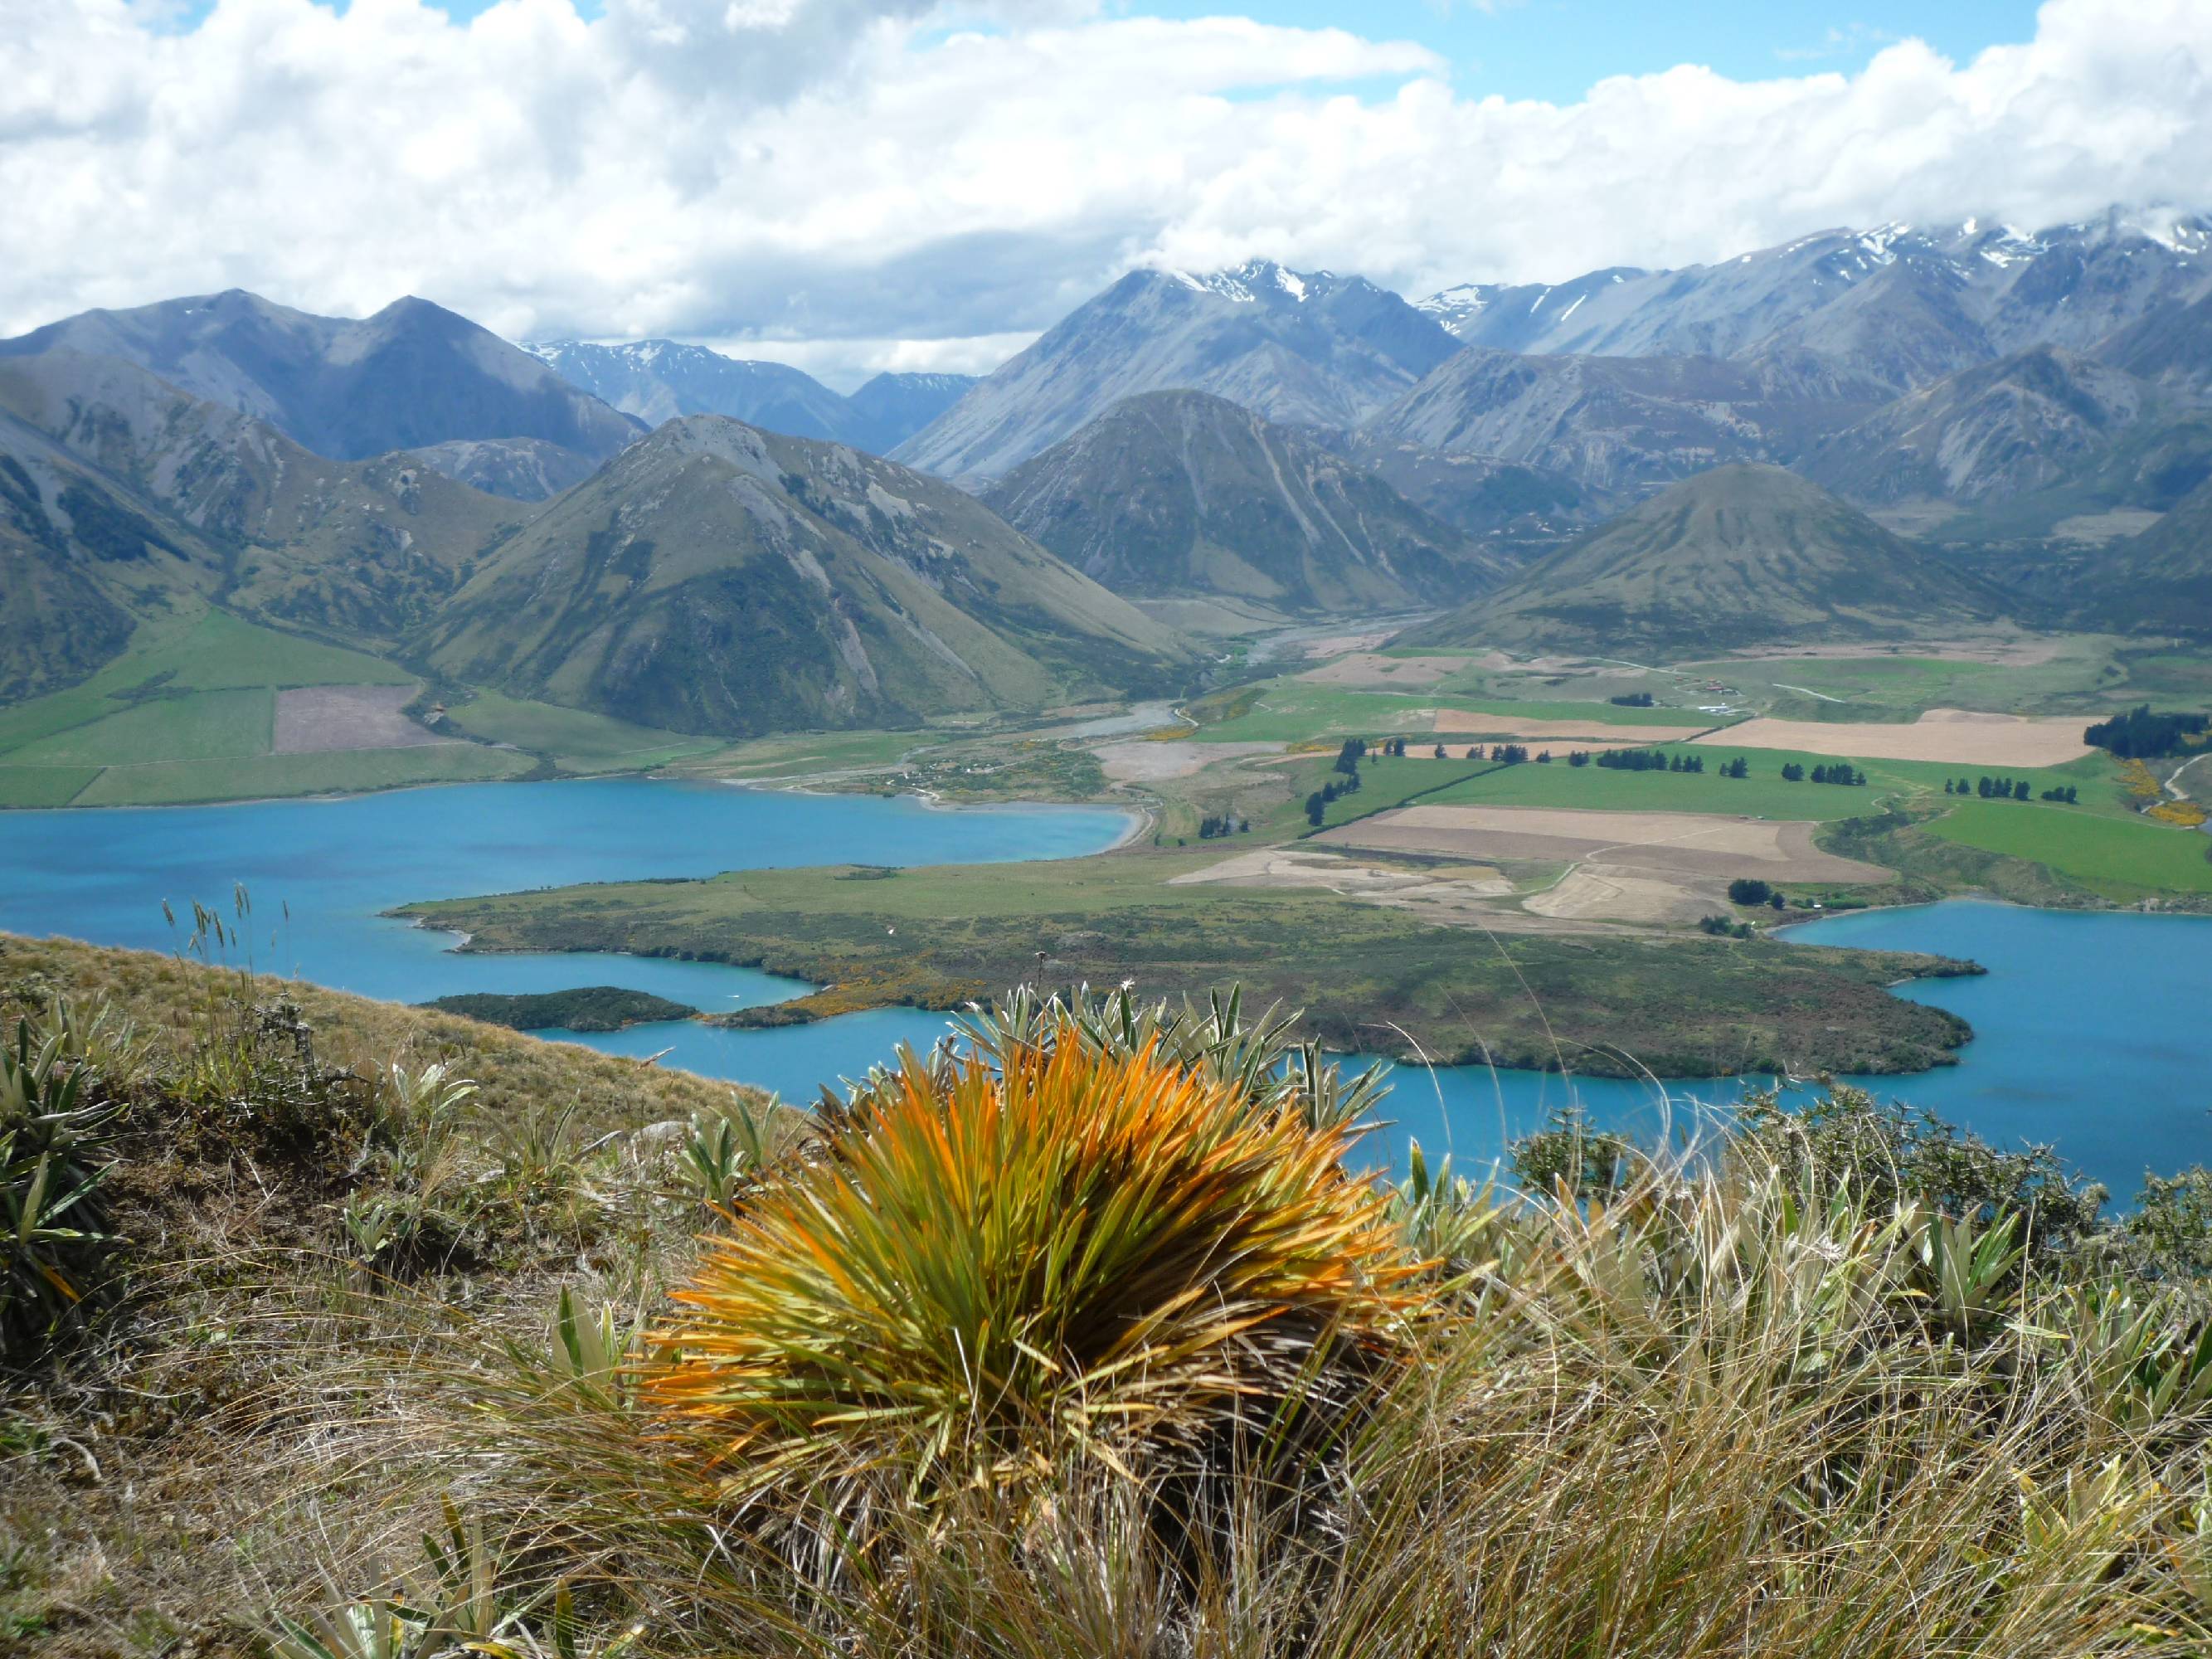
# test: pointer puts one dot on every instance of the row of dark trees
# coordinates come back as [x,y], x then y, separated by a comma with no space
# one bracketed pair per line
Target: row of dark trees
[1317,803]
[1841,772]
[1646,760]
[1989,788]
[2141,735]
[1220,824]
[1633,700]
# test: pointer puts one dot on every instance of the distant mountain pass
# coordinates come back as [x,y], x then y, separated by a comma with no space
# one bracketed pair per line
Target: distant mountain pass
[657,380]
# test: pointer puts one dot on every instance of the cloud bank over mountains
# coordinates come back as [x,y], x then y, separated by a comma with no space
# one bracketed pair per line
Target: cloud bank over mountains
[900,183]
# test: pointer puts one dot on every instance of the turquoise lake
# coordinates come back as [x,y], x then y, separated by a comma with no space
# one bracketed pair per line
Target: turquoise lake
[2093,1031]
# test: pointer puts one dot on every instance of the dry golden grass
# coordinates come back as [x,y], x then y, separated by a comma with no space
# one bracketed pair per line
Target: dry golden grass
[515,1072]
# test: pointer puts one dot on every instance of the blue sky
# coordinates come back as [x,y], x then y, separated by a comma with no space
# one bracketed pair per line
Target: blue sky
[1554,49]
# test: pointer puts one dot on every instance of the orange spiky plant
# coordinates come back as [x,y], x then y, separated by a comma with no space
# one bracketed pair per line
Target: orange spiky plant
[985,1269]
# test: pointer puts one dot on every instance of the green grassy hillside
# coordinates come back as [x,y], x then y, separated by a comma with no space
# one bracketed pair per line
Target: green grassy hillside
[363,548]
[721,581]
[1737,556]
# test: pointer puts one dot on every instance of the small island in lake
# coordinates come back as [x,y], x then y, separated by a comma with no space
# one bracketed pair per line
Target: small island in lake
[591,1008]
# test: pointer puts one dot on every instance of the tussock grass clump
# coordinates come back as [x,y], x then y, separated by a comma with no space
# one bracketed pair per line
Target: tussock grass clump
[981,1263]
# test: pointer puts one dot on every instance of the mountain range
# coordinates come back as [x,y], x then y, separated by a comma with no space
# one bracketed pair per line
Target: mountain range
[2020,379]
[414,374]
[277,532]
[711,578]
[1881,310]
[1656,461]
[1300,348]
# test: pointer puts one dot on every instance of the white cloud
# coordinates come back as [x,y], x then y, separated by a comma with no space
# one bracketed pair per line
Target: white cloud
[865,182]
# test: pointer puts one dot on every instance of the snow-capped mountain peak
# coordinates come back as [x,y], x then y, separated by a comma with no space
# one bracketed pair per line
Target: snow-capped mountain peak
[1256,281]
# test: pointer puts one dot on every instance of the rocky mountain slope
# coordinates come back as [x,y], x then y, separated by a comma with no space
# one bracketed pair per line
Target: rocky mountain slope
[1508,505]
[1182,493]
[2023,423]
[1736,556]
[80,566]
[716,578]
[520,469]
[2171,347]
[1617,426]
[363,548]
[1302,349]
[414,374]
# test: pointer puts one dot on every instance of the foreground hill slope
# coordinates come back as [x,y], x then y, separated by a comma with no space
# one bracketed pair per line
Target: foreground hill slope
[718,578]
[1307,348]
[1173,494]
[1737,556]
[336,1274]
[413,374]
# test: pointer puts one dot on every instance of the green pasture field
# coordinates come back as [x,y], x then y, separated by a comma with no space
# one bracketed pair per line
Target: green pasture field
[43,786]
[213,652]
[199,726]
[2118,857]
[1763,795]
[801,753]
[1387,783]
[167,783]
[1858,688]
[577,741]
[1291,710]
[2088,674]
[220,651]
